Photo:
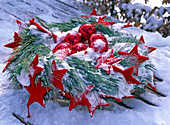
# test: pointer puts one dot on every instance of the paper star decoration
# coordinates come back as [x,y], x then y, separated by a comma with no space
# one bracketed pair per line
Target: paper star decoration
[57,75]
[37,93]
[127,25]
[95,101]
[80,98]
[16,43]
[103,22]
[93,14]
[31,22]
[127,73]
[150,49]
[106,61]
[134,57]
[34,69]
[87,98]
[21,25]
[54,37]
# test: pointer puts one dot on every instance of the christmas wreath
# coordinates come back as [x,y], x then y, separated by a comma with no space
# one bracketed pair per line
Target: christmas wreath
[84,61]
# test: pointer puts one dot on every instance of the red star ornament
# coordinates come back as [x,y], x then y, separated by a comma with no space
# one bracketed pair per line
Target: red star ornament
[103,22]
[54,37]
[150,49]
[106,61]
[134,57]
[16,43]
[37,93]
[31,22]
[57,76]
[80,99]
[127,25]
[93,14]
[95,101]
[21,24]
[34,69]
[127,73]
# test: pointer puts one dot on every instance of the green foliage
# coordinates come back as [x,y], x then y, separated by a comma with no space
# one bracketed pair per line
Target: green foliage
[81,72]
[42,23]
[105,30]
[84,73]
[124,39]
[31,45]
[66,26]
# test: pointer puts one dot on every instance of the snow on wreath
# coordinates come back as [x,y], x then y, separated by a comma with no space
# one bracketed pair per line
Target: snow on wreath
[82,62]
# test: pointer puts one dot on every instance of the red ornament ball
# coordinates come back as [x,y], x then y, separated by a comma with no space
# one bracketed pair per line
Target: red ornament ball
[97,36]
[62,46]
[72,38]
[79,47]
[99,45]
[86,31]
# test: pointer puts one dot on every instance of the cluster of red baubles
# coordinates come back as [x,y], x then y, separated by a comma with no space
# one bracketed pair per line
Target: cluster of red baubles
[86,37]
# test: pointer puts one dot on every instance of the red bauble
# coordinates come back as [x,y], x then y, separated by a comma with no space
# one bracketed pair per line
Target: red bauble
[79,47]
[86,31]
[62,46]
[99,45]
[97,36]
[72,38]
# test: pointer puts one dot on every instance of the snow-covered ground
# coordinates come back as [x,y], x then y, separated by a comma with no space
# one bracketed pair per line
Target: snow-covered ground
[54,114]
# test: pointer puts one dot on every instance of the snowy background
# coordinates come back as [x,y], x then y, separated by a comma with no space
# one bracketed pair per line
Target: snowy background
[54,114]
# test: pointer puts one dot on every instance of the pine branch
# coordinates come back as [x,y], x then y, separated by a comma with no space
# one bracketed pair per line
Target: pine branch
[105,30]
[124,39]
[42,23]
[86,74]
[66,26]
[21,61]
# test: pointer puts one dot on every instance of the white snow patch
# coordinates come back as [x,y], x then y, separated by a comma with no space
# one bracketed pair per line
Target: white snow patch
[23,78]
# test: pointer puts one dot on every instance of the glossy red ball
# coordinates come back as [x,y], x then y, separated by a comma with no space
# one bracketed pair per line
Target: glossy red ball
[97,36]
[79,47]
[72,38]
[61,46]
[86,30]
[99,45]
